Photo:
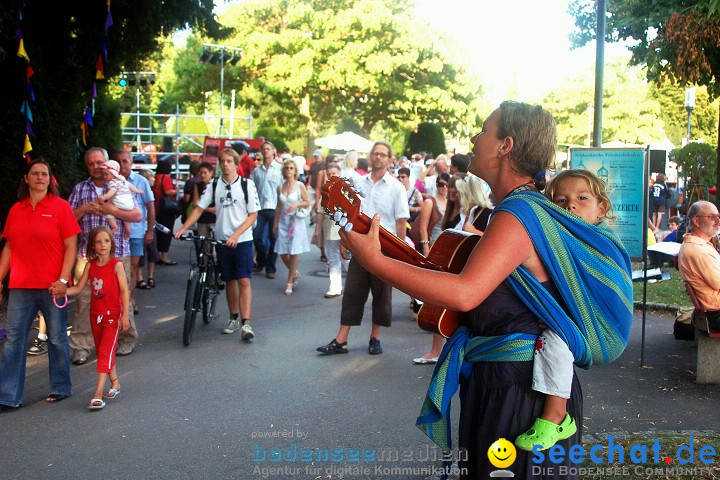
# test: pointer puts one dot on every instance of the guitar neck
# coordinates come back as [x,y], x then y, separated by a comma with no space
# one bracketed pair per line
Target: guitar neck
[393,247]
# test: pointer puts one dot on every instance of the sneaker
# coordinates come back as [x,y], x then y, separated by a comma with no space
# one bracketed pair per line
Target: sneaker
[232,326]
[374,347]
[37,348]
[247,332]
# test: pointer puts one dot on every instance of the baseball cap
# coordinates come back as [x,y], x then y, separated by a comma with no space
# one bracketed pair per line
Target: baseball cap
[317,153]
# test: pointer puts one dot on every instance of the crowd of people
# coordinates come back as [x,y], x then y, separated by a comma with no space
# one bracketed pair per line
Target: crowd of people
[514,285]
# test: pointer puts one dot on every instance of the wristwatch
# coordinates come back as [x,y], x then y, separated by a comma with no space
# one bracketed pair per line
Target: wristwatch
[63,281]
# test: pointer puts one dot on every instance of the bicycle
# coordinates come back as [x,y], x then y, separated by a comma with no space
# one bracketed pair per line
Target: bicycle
[203,285]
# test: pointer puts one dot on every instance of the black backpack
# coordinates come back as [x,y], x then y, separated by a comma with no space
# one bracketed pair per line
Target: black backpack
[243,185]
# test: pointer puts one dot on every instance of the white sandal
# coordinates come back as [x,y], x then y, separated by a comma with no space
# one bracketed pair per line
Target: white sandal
[288,289]
[96,404]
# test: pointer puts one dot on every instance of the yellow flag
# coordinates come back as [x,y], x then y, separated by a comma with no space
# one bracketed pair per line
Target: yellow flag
[21,51]
[27,147]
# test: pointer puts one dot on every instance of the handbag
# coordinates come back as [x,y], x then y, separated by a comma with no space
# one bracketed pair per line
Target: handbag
[302,212]
[170,205]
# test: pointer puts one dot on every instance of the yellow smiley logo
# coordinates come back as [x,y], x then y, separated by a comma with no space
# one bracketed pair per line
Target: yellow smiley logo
[502,453]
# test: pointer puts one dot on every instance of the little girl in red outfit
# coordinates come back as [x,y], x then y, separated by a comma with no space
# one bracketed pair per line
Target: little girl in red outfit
[108,308]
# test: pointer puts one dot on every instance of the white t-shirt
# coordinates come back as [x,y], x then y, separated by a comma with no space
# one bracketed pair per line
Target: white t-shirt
[231,208]
[387,197]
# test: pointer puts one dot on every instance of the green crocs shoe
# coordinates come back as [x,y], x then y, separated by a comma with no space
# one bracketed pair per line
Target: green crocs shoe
[546,434]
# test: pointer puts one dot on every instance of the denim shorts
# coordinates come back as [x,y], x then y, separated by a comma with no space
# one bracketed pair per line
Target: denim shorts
[137,247]
[235,263]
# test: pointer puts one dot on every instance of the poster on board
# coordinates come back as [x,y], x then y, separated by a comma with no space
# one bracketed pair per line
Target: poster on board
[624,171]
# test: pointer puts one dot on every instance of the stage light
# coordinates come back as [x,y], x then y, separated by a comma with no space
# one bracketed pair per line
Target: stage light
[123,81]
[132,81]
[205,56]
[235,58]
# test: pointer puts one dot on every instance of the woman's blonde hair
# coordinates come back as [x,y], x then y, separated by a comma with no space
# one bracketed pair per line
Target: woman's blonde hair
[472,193]
[350,161]
[596,184]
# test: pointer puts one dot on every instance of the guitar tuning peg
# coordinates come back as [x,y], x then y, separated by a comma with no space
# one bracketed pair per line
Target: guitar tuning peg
[350,182]
[342,222]
[337,216]
[348,227]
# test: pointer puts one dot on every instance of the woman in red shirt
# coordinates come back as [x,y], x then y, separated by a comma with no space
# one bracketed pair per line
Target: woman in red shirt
[164,187]
[41,233]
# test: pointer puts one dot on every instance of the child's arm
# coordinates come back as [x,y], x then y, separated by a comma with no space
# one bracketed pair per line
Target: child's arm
[133,189]
[77,288]
[107,195]
[124,295]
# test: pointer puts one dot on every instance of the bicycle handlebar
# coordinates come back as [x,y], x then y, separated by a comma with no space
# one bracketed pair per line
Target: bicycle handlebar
[189,237]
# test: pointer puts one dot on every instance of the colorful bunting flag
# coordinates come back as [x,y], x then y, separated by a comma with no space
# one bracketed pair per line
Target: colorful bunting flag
[99,70]
[21,51]
[27,147]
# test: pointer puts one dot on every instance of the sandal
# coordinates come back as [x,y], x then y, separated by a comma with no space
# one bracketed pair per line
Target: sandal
[151,283]
[546,434]
[56,397]
[295,279]
[288,289]
[112,393]
[142,285]
[136,310]
[96,404]
[333,348]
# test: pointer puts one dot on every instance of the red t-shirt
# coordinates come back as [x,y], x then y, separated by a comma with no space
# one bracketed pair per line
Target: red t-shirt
[36,238]
[105,303]
[246,166]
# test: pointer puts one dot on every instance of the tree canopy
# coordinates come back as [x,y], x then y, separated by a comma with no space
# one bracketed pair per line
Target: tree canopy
[678,40]
[63,41]
[318,62]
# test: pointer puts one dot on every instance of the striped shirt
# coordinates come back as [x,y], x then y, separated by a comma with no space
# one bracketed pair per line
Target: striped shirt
[85,192]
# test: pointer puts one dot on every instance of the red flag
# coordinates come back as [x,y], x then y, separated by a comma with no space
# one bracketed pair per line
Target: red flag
[99,70]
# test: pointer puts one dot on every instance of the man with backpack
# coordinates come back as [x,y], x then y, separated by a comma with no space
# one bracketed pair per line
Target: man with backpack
[237,204]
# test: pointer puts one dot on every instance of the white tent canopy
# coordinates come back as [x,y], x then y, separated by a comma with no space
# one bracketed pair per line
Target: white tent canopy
[345,141]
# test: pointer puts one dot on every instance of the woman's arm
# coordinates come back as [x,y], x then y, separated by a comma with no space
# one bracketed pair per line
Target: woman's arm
[304,198]
[168,188]
[124,295]
[504,247]
[425,213]
[77,288]
[4,264]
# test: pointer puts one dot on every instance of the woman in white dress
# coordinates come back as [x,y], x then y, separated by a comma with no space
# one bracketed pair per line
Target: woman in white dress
[289,229]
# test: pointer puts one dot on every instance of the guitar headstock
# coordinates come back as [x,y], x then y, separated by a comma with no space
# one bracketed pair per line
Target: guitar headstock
[341,201]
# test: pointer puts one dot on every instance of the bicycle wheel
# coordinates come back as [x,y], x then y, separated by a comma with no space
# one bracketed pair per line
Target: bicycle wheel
[210,294]
[191,313]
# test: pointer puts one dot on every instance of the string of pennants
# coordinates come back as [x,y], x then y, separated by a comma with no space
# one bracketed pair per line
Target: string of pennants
[89,110]
[29,93]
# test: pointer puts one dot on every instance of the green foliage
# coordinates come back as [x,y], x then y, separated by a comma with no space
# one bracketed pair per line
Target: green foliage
[698,160]
[63,40]
[349,124]
[672,110]
[630,114]
[317,62]
[428,137]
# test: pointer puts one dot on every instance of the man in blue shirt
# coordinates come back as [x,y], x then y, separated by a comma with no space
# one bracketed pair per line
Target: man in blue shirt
[141,233]
[267,178]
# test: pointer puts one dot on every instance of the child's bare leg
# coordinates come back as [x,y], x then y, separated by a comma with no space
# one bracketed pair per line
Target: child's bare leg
[113,224]
[555,409]
[127,229]
[114,380]
[102,380]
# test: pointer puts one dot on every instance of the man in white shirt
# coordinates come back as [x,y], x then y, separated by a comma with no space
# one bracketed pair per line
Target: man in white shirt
[237,205]
[382,194]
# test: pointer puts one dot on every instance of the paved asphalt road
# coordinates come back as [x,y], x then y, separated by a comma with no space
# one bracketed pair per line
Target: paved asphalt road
[209,410]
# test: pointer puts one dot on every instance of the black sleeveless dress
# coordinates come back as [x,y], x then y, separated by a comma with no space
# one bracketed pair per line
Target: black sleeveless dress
[497,400]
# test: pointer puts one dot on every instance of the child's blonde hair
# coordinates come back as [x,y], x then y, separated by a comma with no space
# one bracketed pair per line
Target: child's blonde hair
[90,249]
[596,184]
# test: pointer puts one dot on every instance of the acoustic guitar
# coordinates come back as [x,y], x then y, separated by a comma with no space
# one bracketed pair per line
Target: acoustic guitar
[448,254]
